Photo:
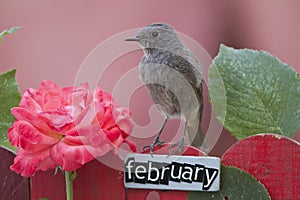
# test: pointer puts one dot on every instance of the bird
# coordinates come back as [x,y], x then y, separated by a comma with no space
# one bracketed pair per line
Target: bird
[173,77]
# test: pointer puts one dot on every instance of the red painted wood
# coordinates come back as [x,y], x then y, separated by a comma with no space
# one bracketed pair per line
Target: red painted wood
[94,181]
[98,181]
[46,185]
[138,194]
[274,160]
[12,185]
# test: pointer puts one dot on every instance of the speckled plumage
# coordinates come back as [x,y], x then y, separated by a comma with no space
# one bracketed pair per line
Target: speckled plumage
[154,63]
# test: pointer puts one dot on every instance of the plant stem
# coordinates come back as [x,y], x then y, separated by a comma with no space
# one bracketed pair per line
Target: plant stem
[69,185]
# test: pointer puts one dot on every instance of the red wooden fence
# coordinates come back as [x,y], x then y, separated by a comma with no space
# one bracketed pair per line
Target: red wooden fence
[12,185]
[272,159]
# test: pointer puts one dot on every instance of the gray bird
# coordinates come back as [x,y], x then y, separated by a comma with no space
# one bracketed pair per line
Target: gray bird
[173,77]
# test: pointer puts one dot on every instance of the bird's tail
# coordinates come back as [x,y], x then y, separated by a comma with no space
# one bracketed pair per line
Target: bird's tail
[196,135]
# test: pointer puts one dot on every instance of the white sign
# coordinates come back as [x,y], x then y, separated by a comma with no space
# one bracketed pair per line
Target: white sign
[190,173]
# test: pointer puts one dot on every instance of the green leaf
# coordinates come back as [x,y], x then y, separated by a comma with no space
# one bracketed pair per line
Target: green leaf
[10,31]
[9,97]
[73,175]
[254,92]
[235,184]
[6,143]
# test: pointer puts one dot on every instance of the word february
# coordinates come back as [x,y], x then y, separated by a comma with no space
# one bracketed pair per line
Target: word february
[172,173]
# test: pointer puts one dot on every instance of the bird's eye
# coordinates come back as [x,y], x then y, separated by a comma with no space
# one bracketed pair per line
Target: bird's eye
[155,34]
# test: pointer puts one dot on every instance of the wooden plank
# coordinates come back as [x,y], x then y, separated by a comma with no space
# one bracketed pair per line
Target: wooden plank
[12,185]
[94,180]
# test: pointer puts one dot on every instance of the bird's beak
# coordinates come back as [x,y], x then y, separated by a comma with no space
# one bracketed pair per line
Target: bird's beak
[134,38]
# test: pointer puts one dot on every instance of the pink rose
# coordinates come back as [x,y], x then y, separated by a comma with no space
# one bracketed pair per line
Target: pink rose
[66,127]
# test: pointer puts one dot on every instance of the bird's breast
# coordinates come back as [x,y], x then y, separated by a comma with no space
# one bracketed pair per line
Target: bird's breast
[167,86]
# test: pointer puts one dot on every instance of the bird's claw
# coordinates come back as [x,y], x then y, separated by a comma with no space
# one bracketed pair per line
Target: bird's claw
[177,147]
[151,146]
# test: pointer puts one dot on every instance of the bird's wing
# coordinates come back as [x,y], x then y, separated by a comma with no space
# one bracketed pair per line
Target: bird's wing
[188,70]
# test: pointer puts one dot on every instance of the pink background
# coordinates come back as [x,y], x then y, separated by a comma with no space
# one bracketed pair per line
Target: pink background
[56,36]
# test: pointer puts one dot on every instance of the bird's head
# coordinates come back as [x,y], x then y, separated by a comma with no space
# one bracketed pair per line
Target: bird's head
[158,35]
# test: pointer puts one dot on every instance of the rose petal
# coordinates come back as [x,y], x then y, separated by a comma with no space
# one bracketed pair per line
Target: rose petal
[131,144]
[122,117]
[58,118]
[27,164]
[113,134]
[66,156]
[42,124]
[29,102]
[23,134]
[70,156]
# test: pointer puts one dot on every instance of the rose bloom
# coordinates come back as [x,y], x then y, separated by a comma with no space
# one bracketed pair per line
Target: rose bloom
[66,127]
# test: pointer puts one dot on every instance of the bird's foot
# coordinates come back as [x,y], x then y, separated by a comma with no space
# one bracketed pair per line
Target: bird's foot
[151,146]
[177,147]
